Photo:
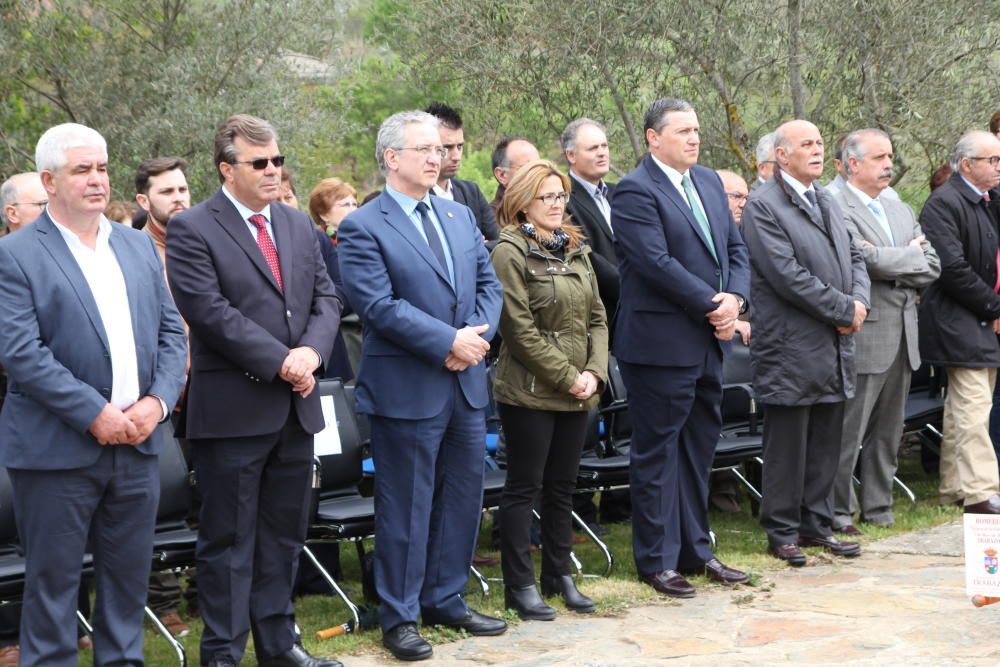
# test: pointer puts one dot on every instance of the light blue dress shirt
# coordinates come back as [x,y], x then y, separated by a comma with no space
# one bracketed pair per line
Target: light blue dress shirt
[409,206]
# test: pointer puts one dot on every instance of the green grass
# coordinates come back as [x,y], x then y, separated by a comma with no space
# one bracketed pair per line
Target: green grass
[741,544]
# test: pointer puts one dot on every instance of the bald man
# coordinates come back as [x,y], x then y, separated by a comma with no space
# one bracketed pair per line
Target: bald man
[23,199]
[736,192]
[810,291]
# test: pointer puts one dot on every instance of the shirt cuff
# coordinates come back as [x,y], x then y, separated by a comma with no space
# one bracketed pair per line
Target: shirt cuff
[163,407]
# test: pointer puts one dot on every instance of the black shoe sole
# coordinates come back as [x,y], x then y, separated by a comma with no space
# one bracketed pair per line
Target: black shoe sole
[410,657]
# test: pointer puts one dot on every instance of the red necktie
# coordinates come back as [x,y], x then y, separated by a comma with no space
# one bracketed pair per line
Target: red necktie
[267,247]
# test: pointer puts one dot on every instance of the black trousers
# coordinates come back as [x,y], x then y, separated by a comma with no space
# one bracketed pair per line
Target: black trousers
[543,457]
[801,453]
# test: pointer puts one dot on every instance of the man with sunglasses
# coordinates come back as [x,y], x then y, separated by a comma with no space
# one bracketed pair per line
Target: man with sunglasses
[247,275]
[960,319]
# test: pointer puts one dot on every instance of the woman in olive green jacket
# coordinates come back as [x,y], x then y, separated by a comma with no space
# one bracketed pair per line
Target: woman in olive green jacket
[551,370]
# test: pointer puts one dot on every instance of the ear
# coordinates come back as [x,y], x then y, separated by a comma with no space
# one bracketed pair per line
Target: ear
[570,157]
[48,181]
[500,174]
[143,202]
[391,158]
[652,138]
[226,170]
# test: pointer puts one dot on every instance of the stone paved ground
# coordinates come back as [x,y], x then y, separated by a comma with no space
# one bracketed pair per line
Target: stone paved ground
[901,603]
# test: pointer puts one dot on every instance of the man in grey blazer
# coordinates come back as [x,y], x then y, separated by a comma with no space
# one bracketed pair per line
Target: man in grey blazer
[94,352]
[899,262]
[809,288]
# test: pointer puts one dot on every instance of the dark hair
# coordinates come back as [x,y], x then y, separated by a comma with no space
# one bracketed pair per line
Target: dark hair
[155,167]
[500,151]
[288,177]
[370,196]
[448,116]
[256,131]
[995,122]
[838,148]
[656,115]
[941,176]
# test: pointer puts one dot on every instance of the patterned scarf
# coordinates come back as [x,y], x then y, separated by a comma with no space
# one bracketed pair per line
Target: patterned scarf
[555,243]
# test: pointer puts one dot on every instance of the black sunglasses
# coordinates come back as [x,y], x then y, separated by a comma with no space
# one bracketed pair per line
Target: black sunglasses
[260,163]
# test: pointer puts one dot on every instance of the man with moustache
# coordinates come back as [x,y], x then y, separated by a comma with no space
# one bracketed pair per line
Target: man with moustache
[450,187]
[899,262]
[960,317]
[810,295]
[94,352]
[22,199]
[684,275]
[430,302]
[248,277]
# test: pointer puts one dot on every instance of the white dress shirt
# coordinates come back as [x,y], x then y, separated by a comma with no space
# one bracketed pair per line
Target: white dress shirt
[799,188]
[599,195]
[447,192]
[107,284]
[245,213]
[676,177]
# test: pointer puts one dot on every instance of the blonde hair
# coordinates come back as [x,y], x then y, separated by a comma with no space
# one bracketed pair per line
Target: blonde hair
[326,193]
[523,189]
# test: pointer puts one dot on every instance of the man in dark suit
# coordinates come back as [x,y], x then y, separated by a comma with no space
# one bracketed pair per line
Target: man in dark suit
[684,280]
[94,351]
[960,317]
[810,295]
[429,302]
[247,275]
[450,187]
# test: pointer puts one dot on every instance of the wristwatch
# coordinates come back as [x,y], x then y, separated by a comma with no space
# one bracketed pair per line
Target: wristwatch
[742,302]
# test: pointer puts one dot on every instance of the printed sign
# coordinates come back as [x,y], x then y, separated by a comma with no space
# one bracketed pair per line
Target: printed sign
[982,546]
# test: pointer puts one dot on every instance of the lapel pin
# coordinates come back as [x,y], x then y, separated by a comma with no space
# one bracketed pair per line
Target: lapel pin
[450,214]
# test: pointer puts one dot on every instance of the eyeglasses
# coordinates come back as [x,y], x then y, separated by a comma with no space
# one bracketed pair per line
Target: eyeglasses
[550,199]
[260,164]
[738,196]
[346,204]
[453,147]
[994,160]
[426,151]
[41,203]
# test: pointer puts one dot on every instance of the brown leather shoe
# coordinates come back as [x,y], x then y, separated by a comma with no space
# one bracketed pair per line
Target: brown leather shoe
[10,655]
[175,625]
[833,545]
[484,561]
[989,506]
[789,553]
[85,643]
[850,530]
[722,574]
[668,582]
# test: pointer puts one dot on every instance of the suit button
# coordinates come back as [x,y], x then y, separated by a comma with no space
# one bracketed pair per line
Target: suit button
[288,314]
[718,272]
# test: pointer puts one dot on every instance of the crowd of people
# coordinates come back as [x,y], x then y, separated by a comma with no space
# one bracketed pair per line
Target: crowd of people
[213,323]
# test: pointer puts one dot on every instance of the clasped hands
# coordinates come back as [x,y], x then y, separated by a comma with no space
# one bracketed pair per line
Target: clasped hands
[860,313]
[297,369]
[131,426]
[725,316]
[585,385]
[468,349]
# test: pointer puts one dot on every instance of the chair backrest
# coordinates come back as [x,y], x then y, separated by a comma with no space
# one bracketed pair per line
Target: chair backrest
[340,471]
[175,480]
[8,526]
[364,427]
[736,364]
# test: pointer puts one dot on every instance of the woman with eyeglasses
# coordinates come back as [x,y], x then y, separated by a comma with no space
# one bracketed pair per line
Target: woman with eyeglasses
[551,371]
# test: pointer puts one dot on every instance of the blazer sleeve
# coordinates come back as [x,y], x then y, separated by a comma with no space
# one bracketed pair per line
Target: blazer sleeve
[171,356]
[489,294]
[486,218]
[597,362]
[30,362]
[196,290]
[324,309]
[894,262]
[773,256]
[389,316]
[640,238]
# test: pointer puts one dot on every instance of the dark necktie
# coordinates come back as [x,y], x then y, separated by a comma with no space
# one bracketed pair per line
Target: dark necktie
[810,196]
[267,247]
[433,240]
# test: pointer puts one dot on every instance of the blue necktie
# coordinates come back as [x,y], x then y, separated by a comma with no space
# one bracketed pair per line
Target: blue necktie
[875,206]
[433,240]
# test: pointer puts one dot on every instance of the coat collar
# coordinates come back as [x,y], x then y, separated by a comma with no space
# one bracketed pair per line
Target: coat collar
[865,215]
[398,220]
[228,217]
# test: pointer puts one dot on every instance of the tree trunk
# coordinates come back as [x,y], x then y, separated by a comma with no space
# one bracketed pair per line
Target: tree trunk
[794,73]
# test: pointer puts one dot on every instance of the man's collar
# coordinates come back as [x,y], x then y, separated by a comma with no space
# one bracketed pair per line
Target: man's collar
[590,187]
[675,176]
[864,197]
[796,185]
[244,210]
[447,188]
[71,237]
[979,192]
[406,202]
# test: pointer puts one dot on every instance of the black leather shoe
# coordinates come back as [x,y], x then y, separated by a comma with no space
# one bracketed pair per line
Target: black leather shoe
[528,604]
[476,624]
[298,657]
[723,574]
[564,586]
[833,545]
[221,662]
[989,506]
[789,553]
[669,583]
[405,643]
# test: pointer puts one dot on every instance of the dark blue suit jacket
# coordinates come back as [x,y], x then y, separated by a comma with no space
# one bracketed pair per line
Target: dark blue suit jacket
[668,274]
[55,348]
[242,325]
[410,310]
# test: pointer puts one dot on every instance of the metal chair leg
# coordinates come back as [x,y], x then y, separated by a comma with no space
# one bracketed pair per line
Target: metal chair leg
[746,483]
[332,583]
[483,585]
[177,646]
[905,488]
[712,540]
[608,557]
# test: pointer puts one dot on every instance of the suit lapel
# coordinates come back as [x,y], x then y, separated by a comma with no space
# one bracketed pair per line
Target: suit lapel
[452,232]
[864,215]
[54,244]
[586,204]
[718,238]
[399,221]
[229,218]
[676,198]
